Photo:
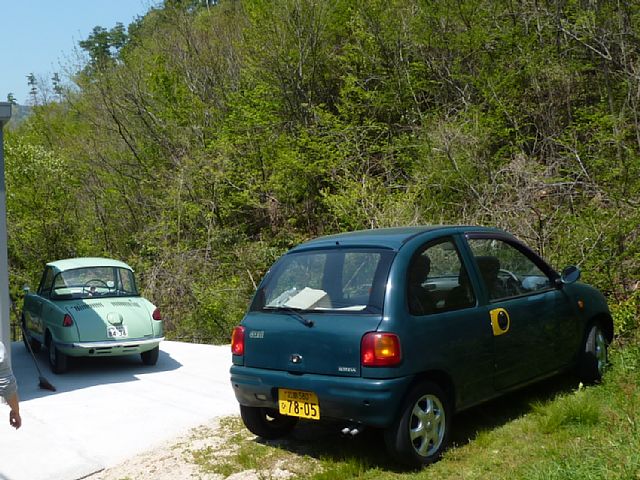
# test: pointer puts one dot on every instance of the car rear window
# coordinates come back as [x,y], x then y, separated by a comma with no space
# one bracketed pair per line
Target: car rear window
[94,282]
[341,280]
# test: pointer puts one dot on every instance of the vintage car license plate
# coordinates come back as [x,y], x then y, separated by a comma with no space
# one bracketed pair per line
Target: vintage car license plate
[117,331]
[298,403]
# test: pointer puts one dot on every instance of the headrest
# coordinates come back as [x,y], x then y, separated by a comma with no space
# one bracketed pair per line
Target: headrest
[488,265]
[419,268]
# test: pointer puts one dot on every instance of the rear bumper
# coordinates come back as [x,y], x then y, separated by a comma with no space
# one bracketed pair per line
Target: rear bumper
[109,348]
[372,402]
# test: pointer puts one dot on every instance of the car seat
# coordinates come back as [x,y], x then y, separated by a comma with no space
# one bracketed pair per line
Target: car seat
[489,267]
[420,300]
[462,295]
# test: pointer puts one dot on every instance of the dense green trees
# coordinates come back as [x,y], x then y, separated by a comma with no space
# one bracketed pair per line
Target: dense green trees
[208,137]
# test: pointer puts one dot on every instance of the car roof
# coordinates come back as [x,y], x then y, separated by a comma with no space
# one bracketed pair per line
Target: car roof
[392,238]
[83,262]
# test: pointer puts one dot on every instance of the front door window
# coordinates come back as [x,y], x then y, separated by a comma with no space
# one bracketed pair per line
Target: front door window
[506,271]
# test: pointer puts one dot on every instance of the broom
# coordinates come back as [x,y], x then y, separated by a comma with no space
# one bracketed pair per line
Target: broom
[43,383]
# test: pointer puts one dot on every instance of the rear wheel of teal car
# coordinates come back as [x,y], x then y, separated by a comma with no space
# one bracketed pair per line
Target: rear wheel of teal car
[594,355]
[267,422]
[57,360]
[150,357]
[420,433]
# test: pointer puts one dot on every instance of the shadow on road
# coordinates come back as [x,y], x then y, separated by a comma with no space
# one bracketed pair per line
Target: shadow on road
[82,373]
[323,440]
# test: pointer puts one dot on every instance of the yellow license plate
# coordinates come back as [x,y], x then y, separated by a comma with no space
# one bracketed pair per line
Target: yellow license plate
[297,403]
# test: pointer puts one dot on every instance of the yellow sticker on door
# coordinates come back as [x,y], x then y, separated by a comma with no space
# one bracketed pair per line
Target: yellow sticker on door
[500,321]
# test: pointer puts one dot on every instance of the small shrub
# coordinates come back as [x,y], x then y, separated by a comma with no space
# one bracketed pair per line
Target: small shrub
[579,409]
[626,315]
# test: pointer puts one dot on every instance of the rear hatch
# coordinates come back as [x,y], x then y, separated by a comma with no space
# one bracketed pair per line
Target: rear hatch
[331,346]
[111,319]
[313,307]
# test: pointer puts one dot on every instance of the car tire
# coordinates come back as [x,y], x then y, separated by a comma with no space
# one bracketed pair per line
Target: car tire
[58,361]
[28,340]
[421,432]
[150,357]
[267,423]
[593,355]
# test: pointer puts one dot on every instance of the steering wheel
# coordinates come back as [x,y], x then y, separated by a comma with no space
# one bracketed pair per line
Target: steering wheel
[511,283]
[86,288]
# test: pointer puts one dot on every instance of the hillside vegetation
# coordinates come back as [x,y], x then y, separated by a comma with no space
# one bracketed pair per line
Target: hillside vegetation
[206,138]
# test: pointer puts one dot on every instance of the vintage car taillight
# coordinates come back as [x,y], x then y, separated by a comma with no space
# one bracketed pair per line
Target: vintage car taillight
[237,341]
[67,321]
[156,315]
[380,350]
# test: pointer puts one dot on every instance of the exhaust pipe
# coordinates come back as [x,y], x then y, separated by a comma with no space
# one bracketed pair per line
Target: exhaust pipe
[352,430]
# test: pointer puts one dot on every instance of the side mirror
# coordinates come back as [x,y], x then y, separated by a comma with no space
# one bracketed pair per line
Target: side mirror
[569,275]
[26,289]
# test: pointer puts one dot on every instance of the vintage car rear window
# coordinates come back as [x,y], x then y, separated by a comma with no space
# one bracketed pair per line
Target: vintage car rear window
[94,282]
[339,280]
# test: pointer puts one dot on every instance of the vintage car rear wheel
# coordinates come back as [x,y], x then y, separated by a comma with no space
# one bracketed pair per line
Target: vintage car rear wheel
[150,357]
[267,422]
[594,355]
[57,360]
[420,434]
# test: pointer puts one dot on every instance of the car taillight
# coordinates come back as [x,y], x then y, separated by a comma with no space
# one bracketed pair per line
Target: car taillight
[67,321]
[380,350]
[156,315]
[237,341]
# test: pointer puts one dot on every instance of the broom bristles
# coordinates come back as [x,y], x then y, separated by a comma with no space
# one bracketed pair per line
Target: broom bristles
[45,385]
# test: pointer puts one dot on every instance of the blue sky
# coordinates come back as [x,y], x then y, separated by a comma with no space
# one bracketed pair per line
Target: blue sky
[39,36]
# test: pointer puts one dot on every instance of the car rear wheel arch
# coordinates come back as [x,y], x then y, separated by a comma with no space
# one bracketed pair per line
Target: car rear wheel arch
[420,433]
[267,423]
[440,378]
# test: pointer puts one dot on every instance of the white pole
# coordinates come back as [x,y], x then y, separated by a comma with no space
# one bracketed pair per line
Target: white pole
[5,322]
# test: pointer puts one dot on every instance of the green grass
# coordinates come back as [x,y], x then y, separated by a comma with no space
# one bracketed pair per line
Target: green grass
[556,429]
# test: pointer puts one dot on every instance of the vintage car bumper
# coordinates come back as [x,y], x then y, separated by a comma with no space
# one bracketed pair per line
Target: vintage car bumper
[109,348]
[367,401]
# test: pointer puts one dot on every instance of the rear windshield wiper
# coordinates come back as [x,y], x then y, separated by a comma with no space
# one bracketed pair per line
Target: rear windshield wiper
[293,312]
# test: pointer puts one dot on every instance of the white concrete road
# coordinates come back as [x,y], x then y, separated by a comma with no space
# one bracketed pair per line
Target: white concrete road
[107,410]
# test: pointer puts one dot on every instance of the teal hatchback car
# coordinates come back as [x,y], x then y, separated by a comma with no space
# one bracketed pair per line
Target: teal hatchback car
[400,328]
[90,307]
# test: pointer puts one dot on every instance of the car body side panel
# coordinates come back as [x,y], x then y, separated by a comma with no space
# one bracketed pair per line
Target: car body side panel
[594,306]
[457,343]
[32,312]
[523,352]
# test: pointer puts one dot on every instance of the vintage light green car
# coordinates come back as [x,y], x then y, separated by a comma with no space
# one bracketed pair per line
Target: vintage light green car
[90,307]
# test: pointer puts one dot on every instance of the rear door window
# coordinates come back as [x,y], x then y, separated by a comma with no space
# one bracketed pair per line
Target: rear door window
[438,281]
